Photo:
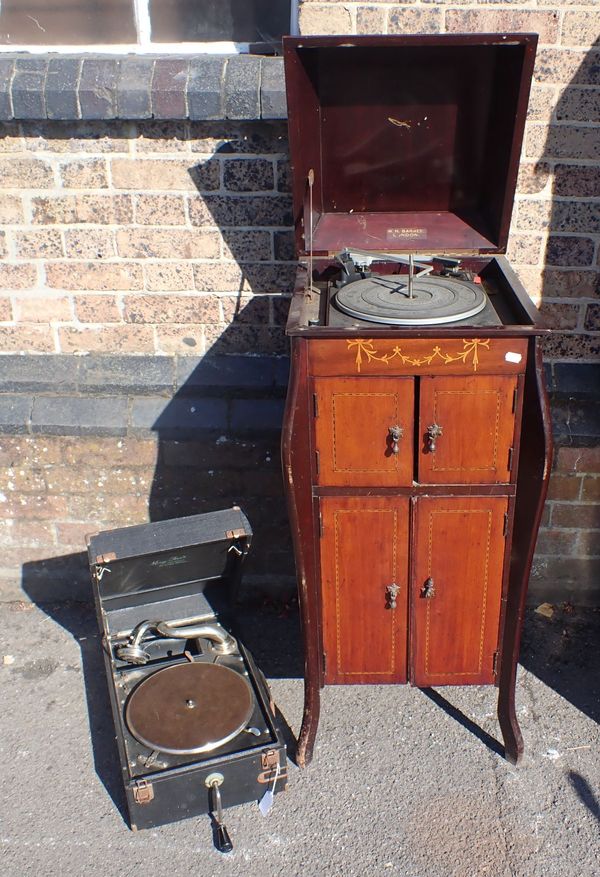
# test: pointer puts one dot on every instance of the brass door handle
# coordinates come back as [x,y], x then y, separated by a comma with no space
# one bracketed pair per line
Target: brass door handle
[395,433]
[391,592]
[433,432]
[428,589]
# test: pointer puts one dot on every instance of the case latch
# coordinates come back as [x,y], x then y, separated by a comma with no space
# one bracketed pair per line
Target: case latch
[270,759]
[143,792]
[236,534]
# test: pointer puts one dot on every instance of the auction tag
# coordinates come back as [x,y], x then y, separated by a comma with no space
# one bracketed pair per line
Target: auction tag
[513,357]
[266,802]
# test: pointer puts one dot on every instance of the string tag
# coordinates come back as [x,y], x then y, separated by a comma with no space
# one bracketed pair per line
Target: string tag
[266,802]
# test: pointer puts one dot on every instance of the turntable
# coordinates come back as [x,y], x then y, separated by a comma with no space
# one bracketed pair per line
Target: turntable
[416,440]
[194,720]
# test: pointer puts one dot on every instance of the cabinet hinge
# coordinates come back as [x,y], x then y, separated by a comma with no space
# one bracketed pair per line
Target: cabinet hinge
[505,527]
[321,529]
[315,405]
[317,462]
[514,405]
[495,664]
[324,663]
[511,452]
[143,792]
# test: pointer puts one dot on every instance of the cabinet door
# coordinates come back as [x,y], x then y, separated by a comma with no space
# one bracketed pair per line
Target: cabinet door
[477,422]
[354,418]
[456,589]
[364,553]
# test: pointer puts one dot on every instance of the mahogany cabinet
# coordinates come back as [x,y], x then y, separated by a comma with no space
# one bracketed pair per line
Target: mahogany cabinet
[415,457]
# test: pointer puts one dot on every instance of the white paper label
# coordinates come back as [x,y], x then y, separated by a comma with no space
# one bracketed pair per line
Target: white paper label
[266,802]
[513,357]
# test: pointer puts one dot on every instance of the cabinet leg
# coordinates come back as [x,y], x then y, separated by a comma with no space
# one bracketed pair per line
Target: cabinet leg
[310,723]
[507,717]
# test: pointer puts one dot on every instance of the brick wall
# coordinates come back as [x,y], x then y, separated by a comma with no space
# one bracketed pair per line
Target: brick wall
[144,238]
[141,260]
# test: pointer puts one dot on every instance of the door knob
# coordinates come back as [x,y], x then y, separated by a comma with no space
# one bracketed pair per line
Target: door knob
[395,433]
[433,432]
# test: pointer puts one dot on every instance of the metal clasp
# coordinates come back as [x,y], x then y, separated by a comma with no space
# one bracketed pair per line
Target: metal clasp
[143,792]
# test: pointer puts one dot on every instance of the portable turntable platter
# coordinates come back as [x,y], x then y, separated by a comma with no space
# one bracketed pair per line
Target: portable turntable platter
[189,708]
[406,299]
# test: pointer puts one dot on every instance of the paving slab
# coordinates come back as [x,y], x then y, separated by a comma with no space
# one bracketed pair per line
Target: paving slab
[404,782]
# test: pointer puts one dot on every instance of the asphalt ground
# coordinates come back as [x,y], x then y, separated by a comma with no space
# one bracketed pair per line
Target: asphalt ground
[403,782]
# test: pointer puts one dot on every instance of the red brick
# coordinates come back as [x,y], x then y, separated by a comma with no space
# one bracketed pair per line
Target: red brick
[575,515]
[590,491]
[21,479]
[109,481]
[556,542]
[5,310]
[35,507]
[113,451]
[30,451]
[71,535]
[120,339]
[560,316]
[588,543]
[26,533]
[327,19]
[582,460]
[564,487]
[99,209]
[121,511]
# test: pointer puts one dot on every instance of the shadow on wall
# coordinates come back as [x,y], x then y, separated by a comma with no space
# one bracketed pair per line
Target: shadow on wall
[570,277]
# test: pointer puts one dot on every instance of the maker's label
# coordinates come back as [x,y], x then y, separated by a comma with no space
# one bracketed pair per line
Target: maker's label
[398,234]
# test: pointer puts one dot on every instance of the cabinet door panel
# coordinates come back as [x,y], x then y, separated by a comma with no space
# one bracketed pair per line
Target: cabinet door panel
[459,545]
[364,548]
[478,423]
[353,442]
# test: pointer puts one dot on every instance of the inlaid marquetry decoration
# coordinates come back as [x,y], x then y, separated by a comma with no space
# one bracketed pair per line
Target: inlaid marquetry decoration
[366,352]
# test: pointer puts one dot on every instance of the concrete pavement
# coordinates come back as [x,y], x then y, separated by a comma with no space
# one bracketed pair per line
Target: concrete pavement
[403,782]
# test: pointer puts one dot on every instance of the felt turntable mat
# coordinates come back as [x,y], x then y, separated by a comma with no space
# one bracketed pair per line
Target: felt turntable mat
[189,708]
[436,300]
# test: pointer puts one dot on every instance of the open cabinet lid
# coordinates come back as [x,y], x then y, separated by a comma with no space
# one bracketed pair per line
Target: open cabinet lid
[413,142]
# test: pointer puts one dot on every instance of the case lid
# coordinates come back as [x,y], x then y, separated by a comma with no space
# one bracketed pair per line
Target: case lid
[413,141]
[151,558]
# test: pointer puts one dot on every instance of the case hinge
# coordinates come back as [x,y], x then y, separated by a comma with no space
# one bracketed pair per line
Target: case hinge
[495,664]
[315,405]
[511,452]
[505,528]
[321,529]
[102,559]
[235,534]
[317,462]
[514,405]
[143,792]
[324,663]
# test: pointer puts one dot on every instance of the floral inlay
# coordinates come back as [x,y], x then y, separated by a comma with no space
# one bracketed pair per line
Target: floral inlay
[366,352]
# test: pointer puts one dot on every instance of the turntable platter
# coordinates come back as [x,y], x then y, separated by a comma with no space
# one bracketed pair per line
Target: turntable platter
[436,300]
[189,708]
